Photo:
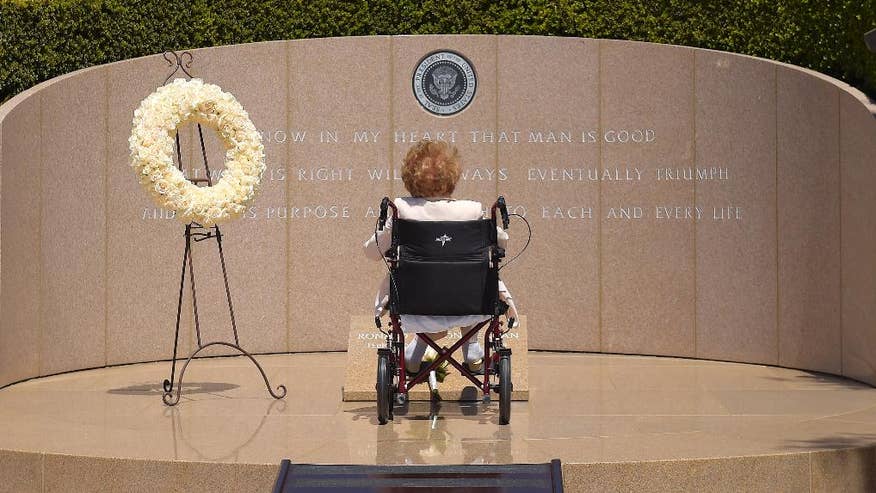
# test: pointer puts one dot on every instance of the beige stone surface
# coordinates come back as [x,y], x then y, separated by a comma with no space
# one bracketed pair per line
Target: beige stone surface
[20,219]
[21,472]
[848,470]
[144,245]
[618,477]
[858,181]
[72,224]
[736,258]
[361,371]
[769,473]
[808,222]
[583,408]
[86,474]
[337,87]
[616,422]
[648,263]
[556,282]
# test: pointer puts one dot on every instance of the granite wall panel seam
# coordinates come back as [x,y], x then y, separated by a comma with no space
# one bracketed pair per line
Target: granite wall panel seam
[391,142]
[839,222]
[39,253]
[809,295]
[496,116]
[106,208]
[288,239]
[190,307]
[778,236]
[1,215]
[693,109]
[599,132]
[810,472]
[839,170]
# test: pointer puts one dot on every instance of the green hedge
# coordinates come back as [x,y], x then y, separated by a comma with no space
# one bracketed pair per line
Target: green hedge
[40,39]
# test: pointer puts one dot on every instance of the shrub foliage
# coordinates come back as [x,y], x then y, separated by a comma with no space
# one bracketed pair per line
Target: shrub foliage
[40,39]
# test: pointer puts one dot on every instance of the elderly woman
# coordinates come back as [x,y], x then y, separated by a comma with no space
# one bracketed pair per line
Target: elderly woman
[430,173]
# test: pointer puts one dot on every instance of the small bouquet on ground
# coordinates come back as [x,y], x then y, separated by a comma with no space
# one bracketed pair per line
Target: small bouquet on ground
[438,374]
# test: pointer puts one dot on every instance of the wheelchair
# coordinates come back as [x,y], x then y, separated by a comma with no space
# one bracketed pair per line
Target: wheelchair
[444,268]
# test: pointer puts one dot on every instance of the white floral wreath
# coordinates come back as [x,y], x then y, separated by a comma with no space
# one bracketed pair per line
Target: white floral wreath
[152,147]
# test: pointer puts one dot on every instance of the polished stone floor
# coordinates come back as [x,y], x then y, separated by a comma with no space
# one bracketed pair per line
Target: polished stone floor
[582,408]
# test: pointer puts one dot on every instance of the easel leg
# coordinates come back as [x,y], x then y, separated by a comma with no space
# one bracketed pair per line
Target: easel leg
[168,384]
[170,397]
[171,400]
[227,290]
[194,298]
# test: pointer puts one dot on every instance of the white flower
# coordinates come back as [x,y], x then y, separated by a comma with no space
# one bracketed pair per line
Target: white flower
[152,143]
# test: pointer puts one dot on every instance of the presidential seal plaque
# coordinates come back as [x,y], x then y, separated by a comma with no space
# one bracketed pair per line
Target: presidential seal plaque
[444,82]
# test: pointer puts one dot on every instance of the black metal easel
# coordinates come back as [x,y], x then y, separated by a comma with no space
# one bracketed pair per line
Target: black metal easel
[197,233]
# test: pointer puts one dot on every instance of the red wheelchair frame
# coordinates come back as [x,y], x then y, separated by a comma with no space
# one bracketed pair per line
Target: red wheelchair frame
[392,379]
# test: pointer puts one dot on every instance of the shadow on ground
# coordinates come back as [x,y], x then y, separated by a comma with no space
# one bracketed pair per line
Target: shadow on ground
[187,388]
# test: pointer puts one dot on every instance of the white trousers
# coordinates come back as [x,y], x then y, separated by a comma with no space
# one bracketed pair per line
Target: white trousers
[416,349]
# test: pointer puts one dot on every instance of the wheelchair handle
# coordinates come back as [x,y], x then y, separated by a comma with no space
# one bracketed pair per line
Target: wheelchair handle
[385,204]
[503,210]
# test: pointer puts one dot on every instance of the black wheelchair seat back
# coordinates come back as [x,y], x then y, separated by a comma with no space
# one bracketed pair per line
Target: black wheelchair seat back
[445,267]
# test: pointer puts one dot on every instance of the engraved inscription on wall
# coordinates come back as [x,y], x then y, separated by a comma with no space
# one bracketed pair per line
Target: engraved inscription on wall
[316,172]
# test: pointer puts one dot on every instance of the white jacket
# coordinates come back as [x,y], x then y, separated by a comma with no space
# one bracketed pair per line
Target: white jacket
[421,209]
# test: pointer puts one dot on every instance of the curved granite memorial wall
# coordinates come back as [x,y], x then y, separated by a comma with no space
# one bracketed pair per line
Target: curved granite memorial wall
[683,202]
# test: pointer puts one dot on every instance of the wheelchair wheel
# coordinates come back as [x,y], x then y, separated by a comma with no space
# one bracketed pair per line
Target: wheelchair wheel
[384,389]
[505,388]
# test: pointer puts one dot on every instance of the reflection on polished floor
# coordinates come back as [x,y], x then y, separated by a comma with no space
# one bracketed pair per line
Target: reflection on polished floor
[583,408]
